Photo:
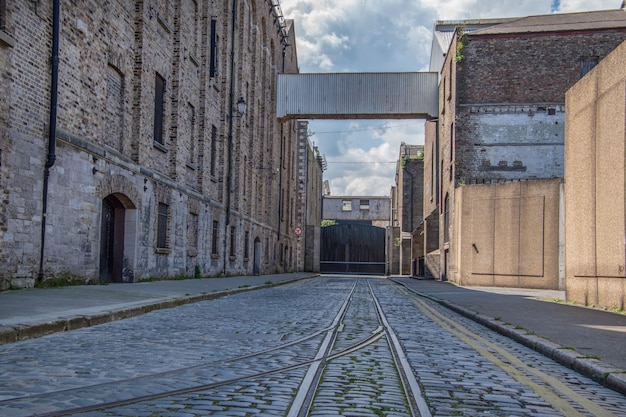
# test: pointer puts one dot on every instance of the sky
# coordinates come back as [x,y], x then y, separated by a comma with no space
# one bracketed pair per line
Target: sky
[384,36]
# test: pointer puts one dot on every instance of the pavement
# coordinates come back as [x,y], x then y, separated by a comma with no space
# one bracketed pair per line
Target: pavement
[591,341]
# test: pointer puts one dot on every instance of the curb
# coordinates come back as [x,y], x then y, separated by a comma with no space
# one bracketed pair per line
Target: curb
[18,333]
[603,373]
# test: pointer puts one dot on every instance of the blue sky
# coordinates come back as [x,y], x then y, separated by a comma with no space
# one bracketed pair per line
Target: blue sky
[386,36]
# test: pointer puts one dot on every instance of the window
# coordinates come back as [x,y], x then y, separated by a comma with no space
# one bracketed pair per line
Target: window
[232,240]
[452,142]
[213,149]
[246,244]
[3,11]
[213,51]
[245,175]
[587,64]
[214,237]
[346,205]
[364,205]
[192,231]
[162,214]
[191,120]
[159,99]
[114,107]
[446,219]
[281,209]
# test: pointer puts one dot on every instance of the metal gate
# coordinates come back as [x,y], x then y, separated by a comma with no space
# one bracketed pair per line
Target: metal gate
[352,249]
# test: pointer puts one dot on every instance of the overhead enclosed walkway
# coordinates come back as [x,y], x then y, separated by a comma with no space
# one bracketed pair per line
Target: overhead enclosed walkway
[403,95]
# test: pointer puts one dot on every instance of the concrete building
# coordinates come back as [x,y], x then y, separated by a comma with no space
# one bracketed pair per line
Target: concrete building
[407,208]
[595,184]
[311,165]
[133,158]
[369,210]
[501,119]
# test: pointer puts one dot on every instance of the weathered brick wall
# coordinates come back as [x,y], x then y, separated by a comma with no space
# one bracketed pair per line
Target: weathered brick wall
[510,102]
[25,67]
[526,68]
[110,54]
[507,142]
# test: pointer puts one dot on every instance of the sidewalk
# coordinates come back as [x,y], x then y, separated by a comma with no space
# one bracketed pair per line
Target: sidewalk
[35,312]
[593,342]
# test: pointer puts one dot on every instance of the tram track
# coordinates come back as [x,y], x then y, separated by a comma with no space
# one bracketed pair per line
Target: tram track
[558,394]
[359,359]
[327,352]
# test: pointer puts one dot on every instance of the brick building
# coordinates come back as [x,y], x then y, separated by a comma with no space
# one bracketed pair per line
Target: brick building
[502,112]
[407,208]
[148,169]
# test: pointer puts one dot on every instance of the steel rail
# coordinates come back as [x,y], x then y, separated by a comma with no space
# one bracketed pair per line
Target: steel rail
[411,386]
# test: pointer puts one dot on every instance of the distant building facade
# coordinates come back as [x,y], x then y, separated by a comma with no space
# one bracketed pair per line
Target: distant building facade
[407,208]
[369,210]
[311,165]
[502,117]
[148,169]
[595,185]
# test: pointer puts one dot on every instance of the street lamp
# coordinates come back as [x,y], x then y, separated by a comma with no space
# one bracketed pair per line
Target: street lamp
[242,106]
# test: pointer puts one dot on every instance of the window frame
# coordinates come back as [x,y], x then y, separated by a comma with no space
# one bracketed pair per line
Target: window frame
[162,220]
[159,108]
[215,233]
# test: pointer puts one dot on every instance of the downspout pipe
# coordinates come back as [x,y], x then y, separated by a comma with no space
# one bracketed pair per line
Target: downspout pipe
[52,129]
[229,144]
[281,198]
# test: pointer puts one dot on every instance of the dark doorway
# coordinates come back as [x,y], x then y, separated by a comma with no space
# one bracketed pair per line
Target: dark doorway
[352,249]
[112,240]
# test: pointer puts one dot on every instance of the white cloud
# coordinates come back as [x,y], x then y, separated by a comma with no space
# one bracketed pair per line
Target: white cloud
[389,35]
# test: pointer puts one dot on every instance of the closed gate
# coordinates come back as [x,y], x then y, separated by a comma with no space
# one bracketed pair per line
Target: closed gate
[352,249]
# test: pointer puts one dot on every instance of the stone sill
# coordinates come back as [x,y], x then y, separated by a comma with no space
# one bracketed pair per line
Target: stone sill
[6,39]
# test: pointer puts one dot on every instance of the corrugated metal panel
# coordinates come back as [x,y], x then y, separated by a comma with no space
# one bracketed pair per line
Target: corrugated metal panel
[357,95]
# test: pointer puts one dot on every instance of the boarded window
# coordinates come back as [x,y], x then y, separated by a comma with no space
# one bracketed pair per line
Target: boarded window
[346,205]
[364,205]
[446,219]
[162,214]
[159,100]
[192,231]
[587,64]
[213,51]
[213,149]
[214,237]
[114,108]
[191,124]
[3,11]
[232,240]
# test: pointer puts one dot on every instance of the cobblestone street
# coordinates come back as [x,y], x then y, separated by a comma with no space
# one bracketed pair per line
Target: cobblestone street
[328,346]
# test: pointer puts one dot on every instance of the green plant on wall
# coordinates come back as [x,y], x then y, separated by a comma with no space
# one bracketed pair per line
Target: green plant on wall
[460,45]
[327,222]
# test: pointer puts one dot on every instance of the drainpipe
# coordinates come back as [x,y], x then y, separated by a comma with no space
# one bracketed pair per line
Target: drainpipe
[229,144]
[52,128]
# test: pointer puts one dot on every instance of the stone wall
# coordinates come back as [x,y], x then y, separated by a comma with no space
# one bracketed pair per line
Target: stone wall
[211,165]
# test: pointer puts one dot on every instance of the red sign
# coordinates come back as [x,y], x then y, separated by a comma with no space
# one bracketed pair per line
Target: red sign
[298,231]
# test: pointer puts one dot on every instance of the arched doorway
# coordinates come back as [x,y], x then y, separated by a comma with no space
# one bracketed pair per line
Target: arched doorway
[112,239]
[256,266]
